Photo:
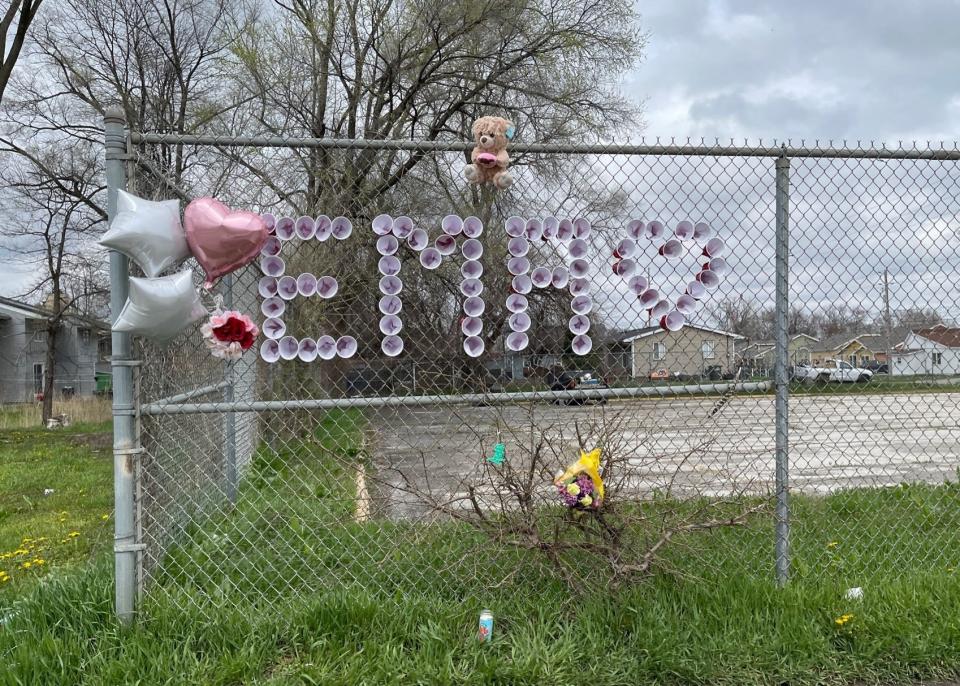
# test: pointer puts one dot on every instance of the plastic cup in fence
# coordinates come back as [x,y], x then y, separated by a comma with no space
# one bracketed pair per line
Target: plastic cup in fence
[452,225]
[625,268]
[390,304]
[389,265]
[305,228]
[660,309]
[267,287]
[445,244]
[471,269]
[472,249]
[533,230]
[560,277]
[518,265]
[581,344]
[473,346]
[522,284]
[672,321]
[402,226]
[287,287]
[684,231]
[387,245]
[327,286]
[418,240]
[625,248]
[550,227]
[702,231]
[649,298]
[516,341]
[473,307]
[324,228]
[274,328]
[565,230]
[519,322]
[430,258]
[382,224]
[270,350]
[541,277]
[284,228]
[638,284]
[289,347]
[273,307]
[390,324]
[390,285]
[581,304]
[687,304]
[715,247]
[579,323]
[579,286]
[518,247]
[271,246]
[392,346]
[471,326]
[636,228]
[579,268]
[272,265]
[516,303]
[581,227]
[326,347]
[347,346]
[514,226]
[578,248]
[672,249]
[472,227]
[306,285]
[709,279]
[308,350]
[471,287]
[342,228]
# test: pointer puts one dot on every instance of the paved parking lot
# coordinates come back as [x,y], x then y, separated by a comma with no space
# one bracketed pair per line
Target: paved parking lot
[836,442]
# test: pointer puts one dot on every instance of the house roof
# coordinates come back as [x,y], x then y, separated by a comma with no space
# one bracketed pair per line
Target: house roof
[10,307]
[944,335]
[634,334]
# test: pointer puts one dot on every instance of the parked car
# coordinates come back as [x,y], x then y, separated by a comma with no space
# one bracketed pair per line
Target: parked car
[834,371]
[877,367]
[568,380]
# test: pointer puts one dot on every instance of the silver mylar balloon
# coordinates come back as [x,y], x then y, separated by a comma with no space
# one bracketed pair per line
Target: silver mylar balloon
[148,232]
[160,308]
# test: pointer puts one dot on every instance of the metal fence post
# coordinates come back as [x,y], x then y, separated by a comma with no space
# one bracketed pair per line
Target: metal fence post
[230,419]
[781,379]
[125,448]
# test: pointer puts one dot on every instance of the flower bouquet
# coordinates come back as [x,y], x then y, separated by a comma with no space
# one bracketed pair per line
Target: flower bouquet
[580,486]
[228,334]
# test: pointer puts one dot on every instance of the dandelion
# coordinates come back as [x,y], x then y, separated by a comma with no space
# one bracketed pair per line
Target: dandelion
[39,561]
[73,534]
[842,619]
[105,517]
[833,544]
[26,565]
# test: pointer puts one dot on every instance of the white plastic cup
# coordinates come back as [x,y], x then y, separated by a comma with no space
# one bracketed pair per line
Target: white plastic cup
[270,221]
[287,287]
[565,230]
[473,346]
[636,228]
[649,298]
[579,269]
[672,249]
[471,326]
[581,304]
[445,244]
[672,321]
[341,228]
[522,284]
[391,285]
[579,286]
[327,286]
[518,265]
[516,303]
[267,287]
[638,284]
[307,350]
[346,347]
[684,231]
[719,266]
[581,227]
[625,249]
[471,287]
[702,232]
[305,228]
[517,341]
[391,346]
[578,248]
[654,230]
[387,245]
[560,277]
[541,277]
[402,226]
[625,268]
[326,348]
[519,322]
[472,249]
[696,290]
[687,304]
[430,258]
[270,351]
[715,247]
[514,226]
[474,306]
[579,324]
[382,224]
[284,229]
[273,307]
[274,328]
[518,246]
[661,308]
[533,230]
[709,280]
[451,225]
[471,269]
[550,226]
[289,347]
[271,246]
[390,324]
[581,345]
[324,228]
[418,240]
[272,265]
[472,227]
[306,285]
[390,304]
[389,265]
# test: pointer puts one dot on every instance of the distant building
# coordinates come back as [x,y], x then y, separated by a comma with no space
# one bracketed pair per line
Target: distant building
[930,351]
[859,349]
[692,350]
[83,352]
[760,354]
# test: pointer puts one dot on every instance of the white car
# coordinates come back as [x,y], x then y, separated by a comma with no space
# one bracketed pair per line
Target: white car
[836,371]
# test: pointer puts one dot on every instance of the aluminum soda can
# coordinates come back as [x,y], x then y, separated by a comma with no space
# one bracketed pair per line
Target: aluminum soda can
[486,626]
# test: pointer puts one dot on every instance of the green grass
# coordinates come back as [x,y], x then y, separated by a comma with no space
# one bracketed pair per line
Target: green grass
[40,532]
[280,591]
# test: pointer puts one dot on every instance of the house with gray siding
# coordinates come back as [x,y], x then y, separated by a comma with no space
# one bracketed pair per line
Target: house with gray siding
[83,351]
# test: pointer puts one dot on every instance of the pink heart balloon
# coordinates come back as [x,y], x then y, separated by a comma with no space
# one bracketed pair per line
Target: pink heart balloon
[222,239]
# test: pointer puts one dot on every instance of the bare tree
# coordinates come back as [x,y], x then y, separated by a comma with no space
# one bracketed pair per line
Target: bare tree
[47,228]
[18,16]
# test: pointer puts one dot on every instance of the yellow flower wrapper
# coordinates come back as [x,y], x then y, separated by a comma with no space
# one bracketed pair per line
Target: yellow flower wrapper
[588,463]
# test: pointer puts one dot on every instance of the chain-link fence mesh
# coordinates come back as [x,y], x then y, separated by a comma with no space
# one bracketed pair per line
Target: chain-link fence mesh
[412,322]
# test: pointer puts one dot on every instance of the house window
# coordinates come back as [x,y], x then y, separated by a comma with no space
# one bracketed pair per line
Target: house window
[937,358]
[37,378]
[706,349]
[85,336]
[659,351]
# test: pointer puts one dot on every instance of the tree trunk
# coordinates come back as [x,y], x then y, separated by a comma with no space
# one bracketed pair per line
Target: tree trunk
[48,368]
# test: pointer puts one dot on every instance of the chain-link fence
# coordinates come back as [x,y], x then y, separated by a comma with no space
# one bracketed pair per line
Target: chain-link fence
[624,298]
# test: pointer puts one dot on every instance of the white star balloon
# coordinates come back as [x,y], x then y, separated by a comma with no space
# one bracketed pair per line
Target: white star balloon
[160,308]
[148,232]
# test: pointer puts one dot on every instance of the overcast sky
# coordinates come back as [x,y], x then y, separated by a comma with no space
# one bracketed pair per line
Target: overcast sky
[871,70]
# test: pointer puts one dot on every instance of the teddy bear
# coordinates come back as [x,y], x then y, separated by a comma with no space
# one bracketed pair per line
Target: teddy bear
[489,156]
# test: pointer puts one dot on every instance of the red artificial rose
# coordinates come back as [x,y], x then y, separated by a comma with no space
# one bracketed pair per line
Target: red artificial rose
[232,330]
[247,340]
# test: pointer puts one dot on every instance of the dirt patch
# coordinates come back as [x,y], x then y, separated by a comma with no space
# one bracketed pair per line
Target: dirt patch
[97,442]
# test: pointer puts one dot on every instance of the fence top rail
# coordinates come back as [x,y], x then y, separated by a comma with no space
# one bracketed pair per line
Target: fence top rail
[687,148]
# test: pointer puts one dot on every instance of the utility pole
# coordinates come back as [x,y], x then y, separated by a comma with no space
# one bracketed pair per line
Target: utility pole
[886,319]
